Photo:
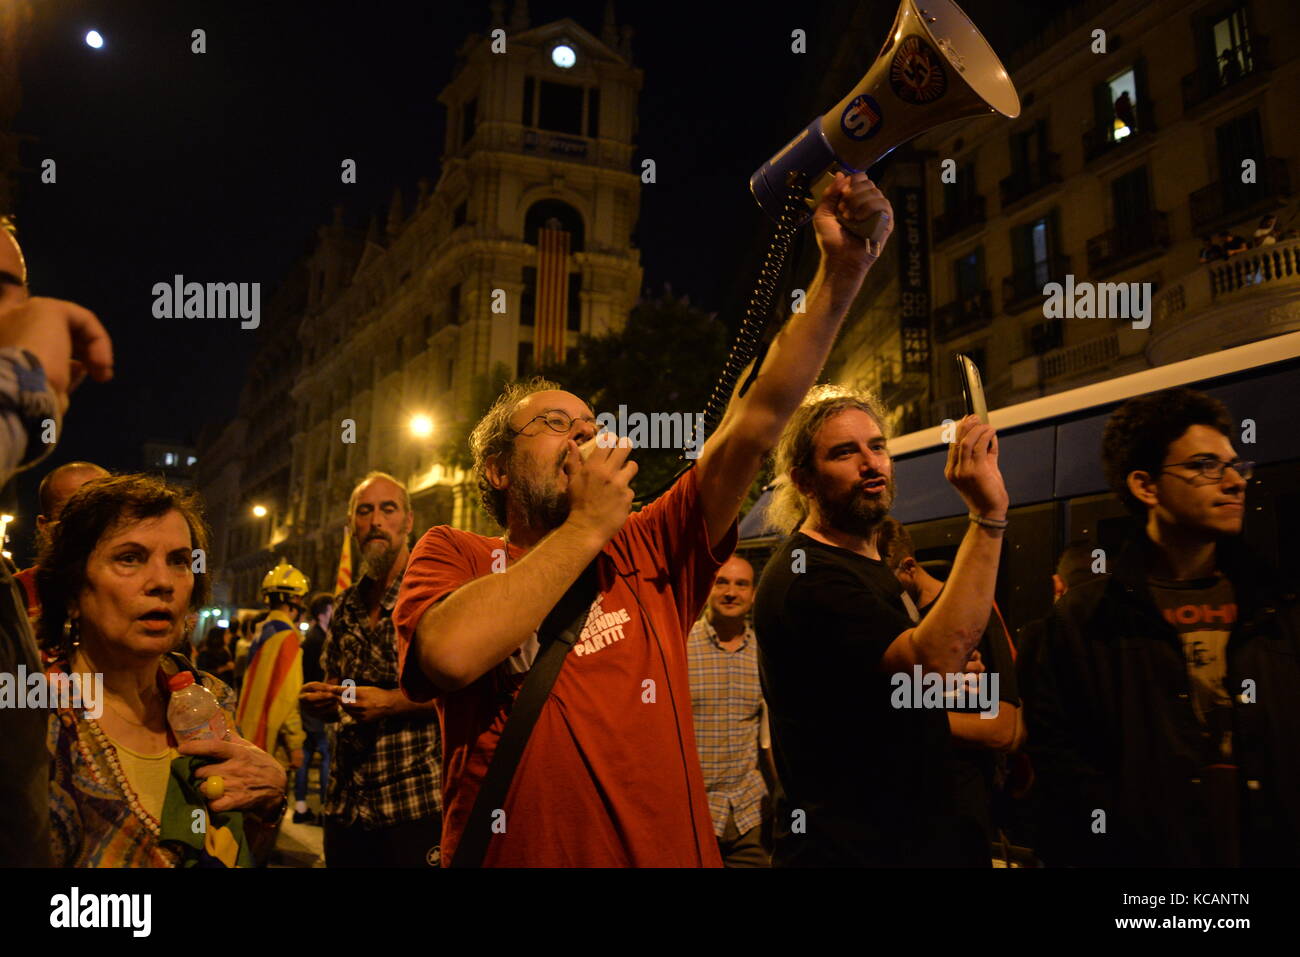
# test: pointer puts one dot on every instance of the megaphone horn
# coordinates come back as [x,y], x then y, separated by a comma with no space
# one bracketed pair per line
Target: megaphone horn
[934,68]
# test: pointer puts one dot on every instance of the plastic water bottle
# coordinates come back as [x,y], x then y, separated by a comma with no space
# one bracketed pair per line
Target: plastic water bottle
[193,712]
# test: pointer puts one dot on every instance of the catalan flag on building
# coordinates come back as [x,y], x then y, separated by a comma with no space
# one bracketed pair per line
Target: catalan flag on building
[344,578]
[552,295]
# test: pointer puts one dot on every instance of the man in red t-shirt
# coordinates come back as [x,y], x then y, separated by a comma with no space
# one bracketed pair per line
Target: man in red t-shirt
[610,776]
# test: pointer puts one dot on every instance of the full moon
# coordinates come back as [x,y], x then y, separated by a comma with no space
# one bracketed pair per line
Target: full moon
[93,39]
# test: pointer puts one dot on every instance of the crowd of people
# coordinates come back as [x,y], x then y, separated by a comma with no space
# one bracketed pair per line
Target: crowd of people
[552,696]
[1224,244]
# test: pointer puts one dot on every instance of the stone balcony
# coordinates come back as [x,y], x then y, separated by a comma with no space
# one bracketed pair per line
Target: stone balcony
[1114,352]
[1255,295]
[514,138]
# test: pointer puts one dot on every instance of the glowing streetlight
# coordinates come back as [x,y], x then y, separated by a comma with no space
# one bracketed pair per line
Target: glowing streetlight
[259,511]
[421,426]
[94,39]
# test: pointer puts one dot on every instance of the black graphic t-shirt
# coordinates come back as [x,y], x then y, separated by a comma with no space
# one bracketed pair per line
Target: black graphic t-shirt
[1204,611]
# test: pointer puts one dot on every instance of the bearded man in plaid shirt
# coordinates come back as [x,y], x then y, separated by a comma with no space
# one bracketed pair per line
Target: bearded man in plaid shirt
[384,807]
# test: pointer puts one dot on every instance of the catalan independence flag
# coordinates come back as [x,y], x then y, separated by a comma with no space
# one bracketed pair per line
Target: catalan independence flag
[268,701]
[552,303]
[344,578]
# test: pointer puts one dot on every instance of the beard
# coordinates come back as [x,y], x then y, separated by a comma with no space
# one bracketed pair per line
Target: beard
[856,512]
[376,562]
[536,500]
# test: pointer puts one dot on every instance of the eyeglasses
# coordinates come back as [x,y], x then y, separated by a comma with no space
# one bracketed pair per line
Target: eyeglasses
[560,423]
[1213,469]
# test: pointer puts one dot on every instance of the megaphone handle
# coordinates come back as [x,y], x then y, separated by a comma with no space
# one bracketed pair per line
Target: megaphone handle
[872,230]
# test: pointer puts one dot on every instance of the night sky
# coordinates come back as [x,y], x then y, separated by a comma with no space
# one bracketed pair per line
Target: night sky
[220,166]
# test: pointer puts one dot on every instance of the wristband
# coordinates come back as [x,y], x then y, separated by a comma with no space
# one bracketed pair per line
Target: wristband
[998,523]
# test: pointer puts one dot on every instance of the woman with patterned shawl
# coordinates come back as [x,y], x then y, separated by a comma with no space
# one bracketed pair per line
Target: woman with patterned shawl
[117,578]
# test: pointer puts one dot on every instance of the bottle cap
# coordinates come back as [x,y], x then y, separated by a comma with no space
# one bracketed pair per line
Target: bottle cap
[182,679]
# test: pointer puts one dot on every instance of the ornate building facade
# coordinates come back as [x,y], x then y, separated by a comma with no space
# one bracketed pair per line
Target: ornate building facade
[524,241]
[1119,162]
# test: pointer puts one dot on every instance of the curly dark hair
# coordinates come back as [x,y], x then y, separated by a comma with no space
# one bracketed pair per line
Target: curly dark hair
[1138,434]
[99,508]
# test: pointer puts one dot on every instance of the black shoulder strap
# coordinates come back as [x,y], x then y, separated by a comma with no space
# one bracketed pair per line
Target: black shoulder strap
[556,636]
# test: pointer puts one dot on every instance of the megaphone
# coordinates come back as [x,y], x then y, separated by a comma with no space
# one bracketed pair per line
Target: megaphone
[935,67]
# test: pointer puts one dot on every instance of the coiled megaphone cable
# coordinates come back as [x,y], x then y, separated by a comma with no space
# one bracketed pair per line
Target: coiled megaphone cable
[750,344]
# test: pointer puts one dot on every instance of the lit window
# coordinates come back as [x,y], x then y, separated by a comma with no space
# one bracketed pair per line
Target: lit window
[1124,101]
[169,458]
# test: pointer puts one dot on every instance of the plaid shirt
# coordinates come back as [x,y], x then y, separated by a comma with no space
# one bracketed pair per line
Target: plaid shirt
[387,771]
[728,703]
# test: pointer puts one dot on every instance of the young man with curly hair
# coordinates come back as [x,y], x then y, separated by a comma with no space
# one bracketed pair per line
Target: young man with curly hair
[1164,725]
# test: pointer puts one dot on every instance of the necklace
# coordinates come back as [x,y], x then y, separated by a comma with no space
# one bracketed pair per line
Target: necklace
[109,752]
[122,716]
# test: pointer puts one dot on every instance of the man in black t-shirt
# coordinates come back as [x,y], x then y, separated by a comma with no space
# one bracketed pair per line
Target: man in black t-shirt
[862,755]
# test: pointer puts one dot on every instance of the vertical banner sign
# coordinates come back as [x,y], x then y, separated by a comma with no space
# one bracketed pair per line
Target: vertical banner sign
[552,295]
[914,279]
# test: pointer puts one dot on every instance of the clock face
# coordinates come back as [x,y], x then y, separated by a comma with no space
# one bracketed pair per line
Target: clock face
[563,56]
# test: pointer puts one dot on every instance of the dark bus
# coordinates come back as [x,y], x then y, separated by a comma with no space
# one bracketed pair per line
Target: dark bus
[1050,457]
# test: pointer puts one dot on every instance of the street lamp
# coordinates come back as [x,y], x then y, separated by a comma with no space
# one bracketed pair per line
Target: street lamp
[421,426]
[259,511]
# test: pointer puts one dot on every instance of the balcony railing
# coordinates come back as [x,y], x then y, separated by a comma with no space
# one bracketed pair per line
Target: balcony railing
[954,221]
[1209,80]
[557,144]
[1083,357]
[964,315]
[1227,303]
[1023,183]
[514,138]
[1024,287]
[1129,244]
[1259,267]
[1234,201]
